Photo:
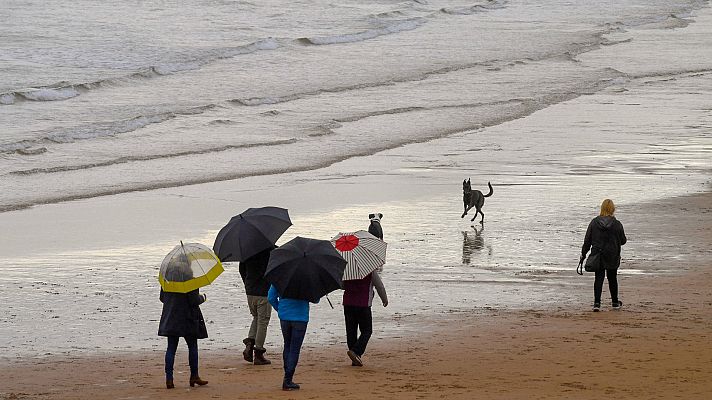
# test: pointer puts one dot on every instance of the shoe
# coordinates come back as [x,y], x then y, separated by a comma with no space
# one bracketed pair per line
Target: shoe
[289,385]
[249,351]
[596,307]
[617,305]
[195,380]
[355,359]
[169,384]
[260,357]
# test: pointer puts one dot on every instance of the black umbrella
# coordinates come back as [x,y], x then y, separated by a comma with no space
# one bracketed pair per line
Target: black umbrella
[305,269]
[247,234]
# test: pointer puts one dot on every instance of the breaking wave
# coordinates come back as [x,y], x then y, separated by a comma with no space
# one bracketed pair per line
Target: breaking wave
[66,90]
[93,131]
[127,159]
[399,26]
[475,8]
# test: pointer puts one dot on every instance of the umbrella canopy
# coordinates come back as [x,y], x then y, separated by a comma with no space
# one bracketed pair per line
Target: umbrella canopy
[305,269]
[363,252]
[187,267]
[249,233]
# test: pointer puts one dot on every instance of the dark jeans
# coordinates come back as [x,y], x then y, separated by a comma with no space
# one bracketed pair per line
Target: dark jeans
[293,333]
[192,355]
[358,318]
[612,285]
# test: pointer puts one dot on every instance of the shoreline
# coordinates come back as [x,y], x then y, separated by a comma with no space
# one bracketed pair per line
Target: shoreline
[657,346]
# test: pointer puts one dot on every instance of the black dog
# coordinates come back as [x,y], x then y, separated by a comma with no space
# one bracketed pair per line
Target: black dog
[375,227]
[474,198]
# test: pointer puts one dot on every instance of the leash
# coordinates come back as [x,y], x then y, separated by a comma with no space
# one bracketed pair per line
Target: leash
[579,269]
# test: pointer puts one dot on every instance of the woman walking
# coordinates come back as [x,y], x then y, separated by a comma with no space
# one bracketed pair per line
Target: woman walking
[605,236]
[358,297]
[293,318]
[181,317]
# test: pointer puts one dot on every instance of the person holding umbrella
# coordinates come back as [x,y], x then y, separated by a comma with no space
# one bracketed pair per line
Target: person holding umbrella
[249,238]
[183,271]
[364,254]
[252,271]
[301,271]
[293,319]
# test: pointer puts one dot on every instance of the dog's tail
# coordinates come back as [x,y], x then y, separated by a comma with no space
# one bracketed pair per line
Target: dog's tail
[490,192]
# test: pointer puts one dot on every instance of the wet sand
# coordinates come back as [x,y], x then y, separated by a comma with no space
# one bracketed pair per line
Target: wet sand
[656,347]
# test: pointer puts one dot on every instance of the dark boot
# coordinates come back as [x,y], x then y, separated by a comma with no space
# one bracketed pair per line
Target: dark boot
[169,384]
[289,385]
[195,380]
[249,351]
[260,357]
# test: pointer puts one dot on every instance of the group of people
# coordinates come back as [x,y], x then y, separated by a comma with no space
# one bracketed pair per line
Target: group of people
[181,317]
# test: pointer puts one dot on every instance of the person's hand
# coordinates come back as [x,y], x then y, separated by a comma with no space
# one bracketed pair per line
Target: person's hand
[204,296]
[385,303]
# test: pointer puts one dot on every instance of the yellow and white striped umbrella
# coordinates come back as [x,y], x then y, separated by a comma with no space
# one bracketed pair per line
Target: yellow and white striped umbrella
[188,267]
[363,252]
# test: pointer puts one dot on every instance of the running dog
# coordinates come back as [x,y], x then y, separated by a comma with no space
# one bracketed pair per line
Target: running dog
[474,198]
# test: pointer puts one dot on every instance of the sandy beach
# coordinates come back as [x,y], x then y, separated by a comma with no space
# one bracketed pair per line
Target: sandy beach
[656,347]
[557,106]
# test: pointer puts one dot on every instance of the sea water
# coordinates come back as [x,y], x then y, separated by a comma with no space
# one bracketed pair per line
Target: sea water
[101,98]
[556,102]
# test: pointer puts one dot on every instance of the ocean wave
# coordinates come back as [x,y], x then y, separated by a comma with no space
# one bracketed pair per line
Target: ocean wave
[398,26]
[66,90]
[94,131]
[258,101]
[128,159]
[475,8]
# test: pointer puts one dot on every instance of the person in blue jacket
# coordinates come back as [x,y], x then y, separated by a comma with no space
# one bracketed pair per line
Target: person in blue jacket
[293,318]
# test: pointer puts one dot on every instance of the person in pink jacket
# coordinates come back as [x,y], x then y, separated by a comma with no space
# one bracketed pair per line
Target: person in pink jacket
[358,296]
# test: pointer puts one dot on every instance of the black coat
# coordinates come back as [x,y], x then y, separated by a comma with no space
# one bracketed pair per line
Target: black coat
[252,272]
[605,235]
[181,315]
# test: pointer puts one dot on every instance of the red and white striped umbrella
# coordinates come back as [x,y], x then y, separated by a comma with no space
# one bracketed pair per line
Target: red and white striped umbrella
[363,252]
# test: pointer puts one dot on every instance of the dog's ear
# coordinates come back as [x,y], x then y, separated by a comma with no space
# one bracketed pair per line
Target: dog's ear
[380,215]
[468,180]
[370,216]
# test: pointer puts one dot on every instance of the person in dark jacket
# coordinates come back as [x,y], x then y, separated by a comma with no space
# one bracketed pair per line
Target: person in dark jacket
[358,297]
[252,272]
[181,317]
[605,235]
[293,318]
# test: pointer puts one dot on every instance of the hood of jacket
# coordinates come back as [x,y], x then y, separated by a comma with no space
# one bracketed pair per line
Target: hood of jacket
[605,223]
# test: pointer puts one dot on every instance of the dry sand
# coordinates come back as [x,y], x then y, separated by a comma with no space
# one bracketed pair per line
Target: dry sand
[657,347]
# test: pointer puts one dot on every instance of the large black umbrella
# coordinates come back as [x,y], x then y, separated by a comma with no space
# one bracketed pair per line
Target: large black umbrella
[247,234]
[305,269]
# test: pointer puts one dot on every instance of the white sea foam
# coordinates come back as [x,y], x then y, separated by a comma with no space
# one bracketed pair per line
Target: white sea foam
[49,94]
[475,8]
[7,98]
[396,27]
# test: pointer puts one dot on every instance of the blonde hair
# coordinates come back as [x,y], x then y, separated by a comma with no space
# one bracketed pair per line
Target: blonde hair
[607,208]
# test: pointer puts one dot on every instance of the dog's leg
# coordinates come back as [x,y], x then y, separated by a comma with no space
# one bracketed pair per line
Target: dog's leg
[466,210]
[473,218]
[482,222]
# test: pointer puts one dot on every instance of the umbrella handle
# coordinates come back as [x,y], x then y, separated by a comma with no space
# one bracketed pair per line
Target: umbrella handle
[327,299]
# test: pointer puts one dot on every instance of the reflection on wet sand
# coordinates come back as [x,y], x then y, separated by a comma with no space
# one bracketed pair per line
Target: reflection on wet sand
[473,241]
